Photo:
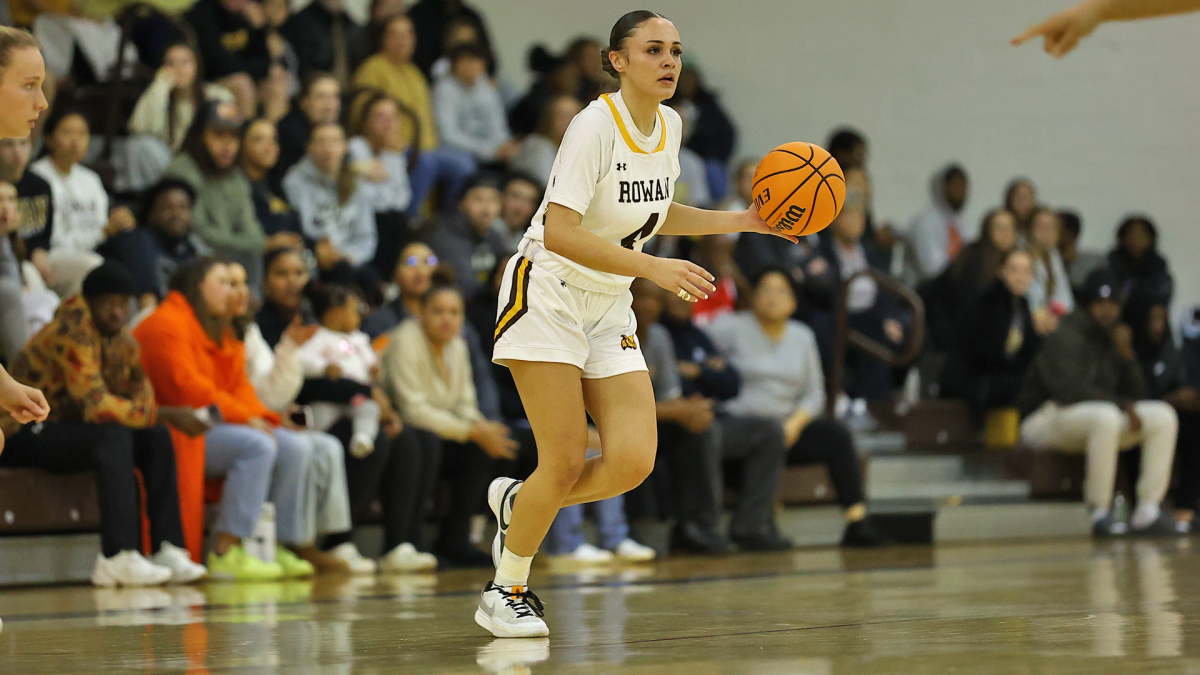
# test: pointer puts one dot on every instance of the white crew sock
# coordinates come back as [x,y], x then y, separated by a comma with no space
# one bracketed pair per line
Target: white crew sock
[513,569]
[1144,516]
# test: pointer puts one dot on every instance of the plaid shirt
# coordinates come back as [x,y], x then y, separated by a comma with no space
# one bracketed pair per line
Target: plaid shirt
[85,376]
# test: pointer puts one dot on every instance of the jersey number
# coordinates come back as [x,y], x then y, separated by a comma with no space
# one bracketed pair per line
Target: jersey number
[643,233]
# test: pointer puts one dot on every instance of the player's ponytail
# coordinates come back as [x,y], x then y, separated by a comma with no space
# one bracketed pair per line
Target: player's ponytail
[621,30]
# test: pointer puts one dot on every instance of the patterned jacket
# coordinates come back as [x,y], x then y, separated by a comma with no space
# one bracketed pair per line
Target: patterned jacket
[85,376]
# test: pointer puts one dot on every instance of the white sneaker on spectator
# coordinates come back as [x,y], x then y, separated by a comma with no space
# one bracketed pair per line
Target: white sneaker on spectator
[587,553]
[128,568]
[361,446]
[511,612]
[183,570]
[501,494]
[406,558]
[632,551]
[358,563]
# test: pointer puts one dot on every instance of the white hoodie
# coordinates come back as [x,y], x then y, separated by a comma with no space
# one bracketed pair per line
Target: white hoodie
[80,206]
[929,231]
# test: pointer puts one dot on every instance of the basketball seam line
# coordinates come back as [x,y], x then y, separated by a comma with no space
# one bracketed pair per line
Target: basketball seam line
[817,193]
[807,162]
[816,171]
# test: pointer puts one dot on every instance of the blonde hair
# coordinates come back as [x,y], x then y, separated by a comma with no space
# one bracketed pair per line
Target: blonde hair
[12,39]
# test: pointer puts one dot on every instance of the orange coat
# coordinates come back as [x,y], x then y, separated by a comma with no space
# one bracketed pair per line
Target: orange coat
[187,368]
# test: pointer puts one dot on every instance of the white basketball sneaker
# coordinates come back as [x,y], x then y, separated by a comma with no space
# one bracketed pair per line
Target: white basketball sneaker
[179,561]
[357,562]
[511,612]
[128,568]
[501,493]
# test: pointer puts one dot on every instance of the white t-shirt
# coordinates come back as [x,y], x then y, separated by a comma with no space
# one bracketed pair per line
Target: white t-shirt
[80,206]
[620,180]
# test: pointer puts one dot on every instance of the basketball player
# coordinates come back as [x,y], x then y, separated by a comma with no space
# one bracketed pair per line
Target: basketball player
[1064,30]
[21,101]
[565,327]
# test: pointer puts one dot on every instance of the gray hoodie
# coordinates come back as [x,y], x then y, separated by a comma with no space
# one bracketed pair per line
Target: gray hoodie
[350,227]
[929,232]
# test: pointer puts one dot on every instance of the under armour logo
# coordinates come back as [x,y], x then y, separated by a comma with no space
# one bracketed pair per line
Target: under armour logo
[620,166]
[627,342]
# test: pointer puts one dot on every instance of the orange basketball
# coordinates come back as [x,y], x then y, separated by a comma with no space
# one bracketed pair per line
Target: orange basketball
[799,188]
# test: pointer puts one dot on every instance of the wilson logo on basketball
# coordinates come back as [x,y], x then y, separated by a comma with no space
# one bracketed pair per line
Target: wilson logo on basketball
[627,342]
[789,219]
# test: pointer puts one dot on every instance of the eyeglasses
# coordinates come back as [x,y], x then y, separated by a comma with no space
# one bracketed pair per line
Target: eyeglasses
[413,260]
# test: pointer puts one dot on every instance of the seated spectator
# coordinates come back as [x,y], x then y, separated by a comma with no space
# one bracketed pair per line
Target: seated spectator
[971,273]
[935,234]
[996,340]
[848,147]
[1137,266]
[684,360]
[326,496]
[556,78]
[165,240]
[163,115]
[1186,401]
[223,213]
[1079,263]
[1020,199]
[340,350]
[35,203]
[284,303]
[260,153]
[842,252]
[427,372]
[14,327]
[194,359]
[284,78]
[320,103]
[82,218]
[1085,393]
[382,170]
[392,70]
[334,211]
[540,147]
[470,114]
[103,419]
[715,254]
[781,375]
[436,18]
[584,54]
[691,187]
[412,277]
[466,241]
[1050,294]
[711,134]
[232,37]
[520,199]
[326,39]
[743,186]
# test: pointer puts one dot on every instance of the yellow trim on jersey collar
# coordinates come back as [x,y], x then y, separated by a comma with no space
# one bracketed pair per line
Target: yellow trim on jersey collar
[662,123]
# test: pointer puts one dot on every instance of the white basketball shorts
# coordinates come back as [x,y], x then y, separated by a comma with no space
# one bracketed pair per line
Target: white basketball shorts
[542,318]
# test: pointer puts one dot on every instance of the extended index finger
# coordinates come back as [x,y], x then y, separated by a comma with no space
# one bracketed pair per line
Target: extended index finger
[1031,32]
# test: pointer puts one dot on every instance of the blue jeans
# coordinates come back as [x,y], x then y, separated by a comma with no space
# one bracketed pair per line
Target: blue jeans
[259,467]
[450,167]
[566,533]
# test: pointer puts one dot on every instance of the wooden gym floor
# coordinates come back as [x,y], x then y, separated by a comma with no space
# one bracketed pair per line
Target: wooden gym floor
[1041,608]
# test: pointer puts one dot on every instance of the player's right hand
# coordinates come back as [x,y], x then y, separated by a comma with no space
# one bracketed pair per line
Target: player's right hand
[675,275]
[1064,30]
[25,404]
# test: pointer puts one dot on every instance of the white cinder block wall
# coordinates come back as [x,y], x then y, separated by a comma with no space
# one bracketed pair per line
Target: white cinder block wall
[1112,128]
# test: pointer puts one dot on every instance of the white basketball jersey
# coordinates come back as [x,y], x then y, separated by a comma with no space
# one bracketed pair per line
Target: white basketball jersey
[620,180]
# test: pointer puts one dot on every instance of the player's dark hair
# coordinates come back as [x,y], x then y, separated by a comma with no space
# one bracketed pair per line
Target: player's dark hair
[621,31]
[1070,222]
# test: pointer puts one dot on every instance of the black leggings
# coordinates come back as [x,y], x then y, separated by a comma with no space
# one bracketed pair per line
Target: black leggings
[829,442]
[1187,462]
[112,452]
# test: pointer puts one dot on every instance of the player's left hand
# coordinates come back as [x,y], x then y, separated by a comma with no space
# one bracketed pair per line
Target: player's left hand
[752,222]
[25,404]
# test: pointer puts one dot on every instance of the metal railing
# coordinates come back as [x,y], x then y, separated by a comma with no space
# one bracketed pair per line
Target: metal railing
[844,335]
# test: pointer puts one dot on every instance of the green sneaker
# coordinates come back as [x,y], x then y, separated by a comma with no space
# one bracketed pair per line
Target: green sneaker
[293,566]
[237,565]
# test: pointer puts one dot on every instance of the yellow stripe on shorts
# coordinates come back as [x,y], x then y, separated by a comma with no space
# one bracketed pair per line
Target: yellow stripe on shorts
[518,298]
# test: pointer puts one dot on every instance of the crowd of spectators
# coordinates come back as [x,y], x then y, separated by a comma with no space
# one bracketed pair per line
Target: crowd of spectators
[286,279]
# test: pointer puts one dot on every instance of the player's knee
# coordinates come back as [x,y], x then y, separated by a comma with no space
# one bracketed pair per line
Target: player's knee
[566,470]
[636,468]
